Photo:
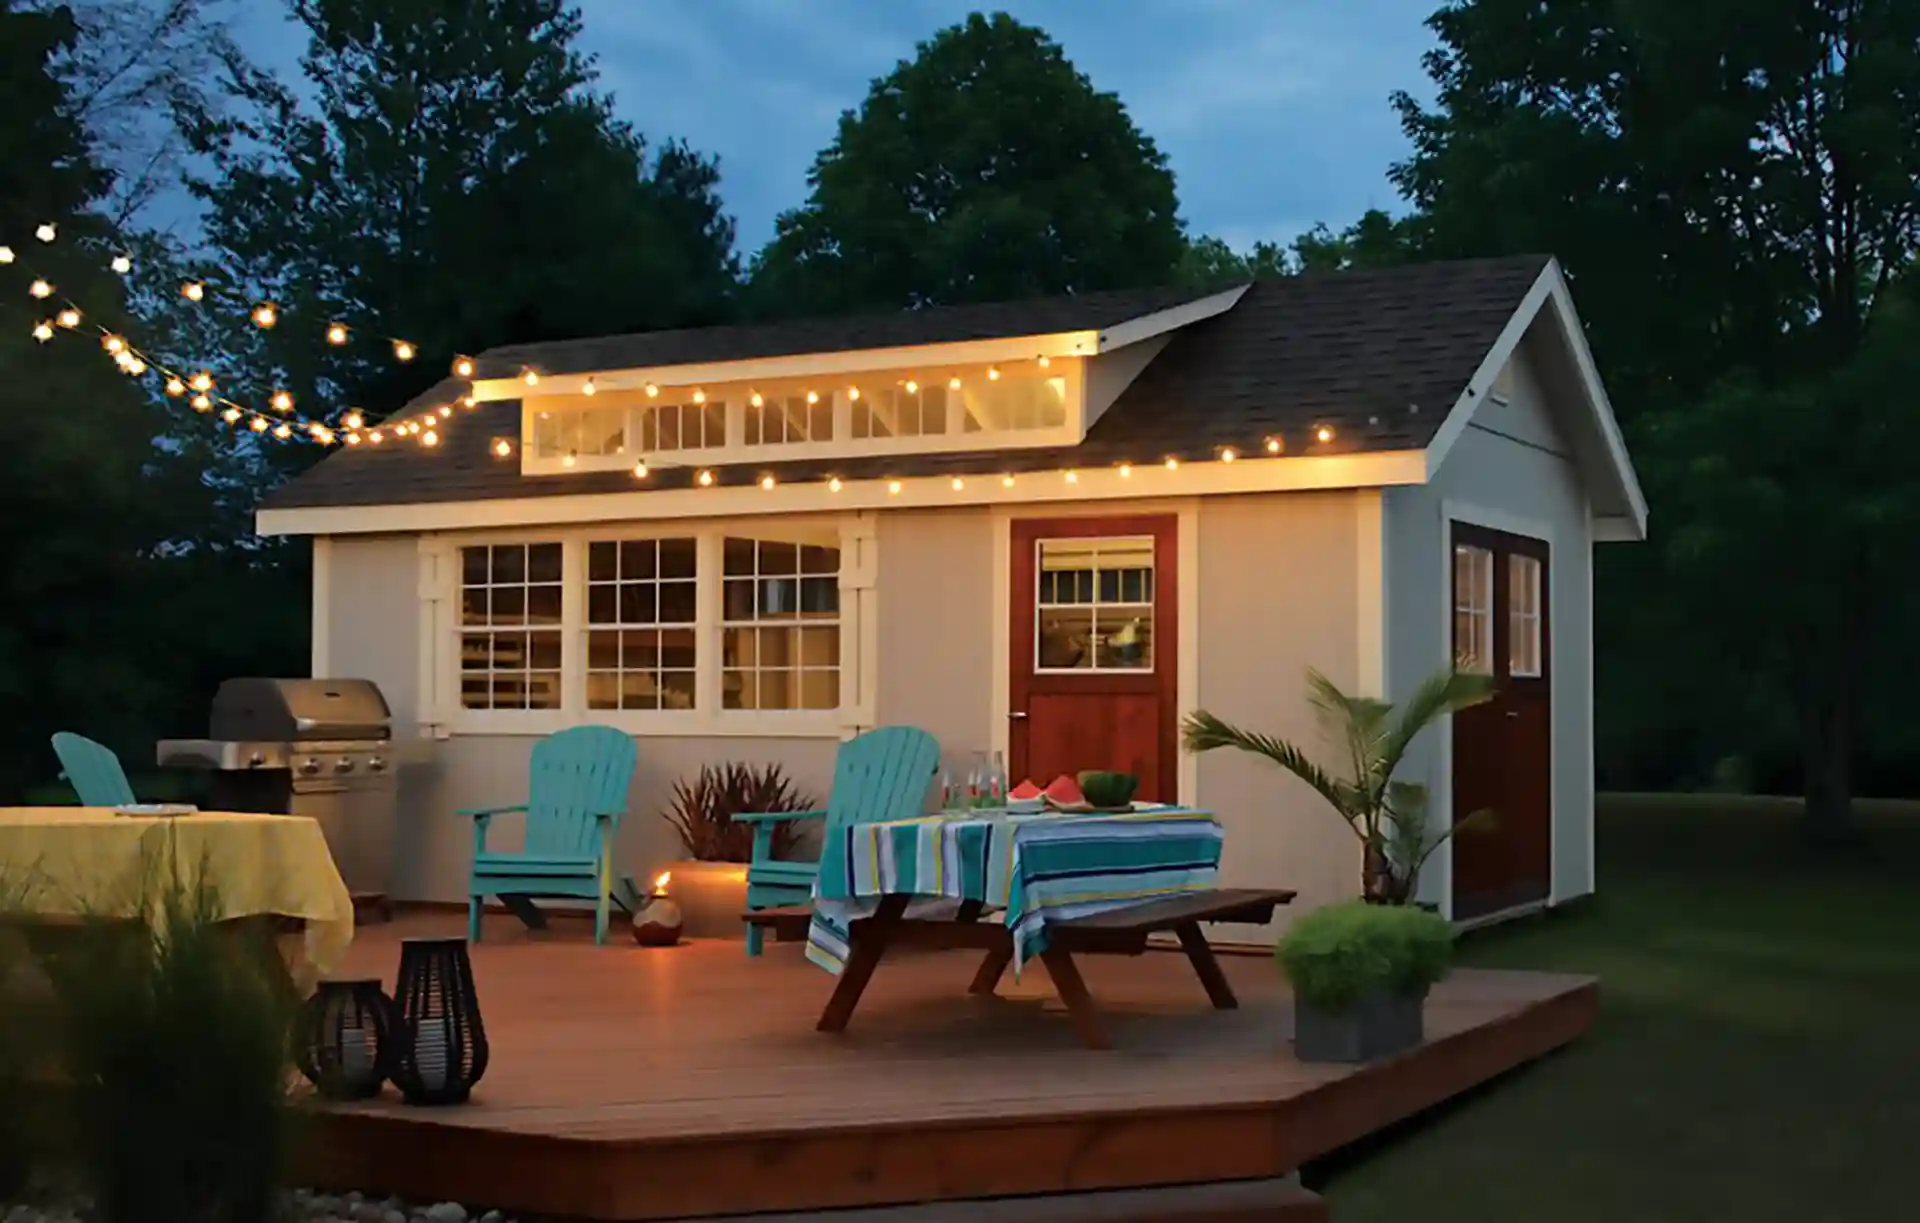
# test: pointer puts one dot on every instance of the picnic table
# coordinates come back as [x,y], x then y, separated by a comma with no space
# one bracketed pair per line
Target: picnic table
[1020,886]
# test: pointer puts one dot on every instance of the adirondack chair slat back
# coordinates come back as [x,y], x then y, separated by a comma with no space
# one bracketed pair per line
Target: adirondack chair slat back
[883,774]
[93,770]
[575,775]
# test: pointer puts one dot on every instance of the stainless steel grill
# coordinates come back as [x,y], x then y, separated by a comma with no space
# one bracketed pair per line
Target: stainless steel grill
[314,747]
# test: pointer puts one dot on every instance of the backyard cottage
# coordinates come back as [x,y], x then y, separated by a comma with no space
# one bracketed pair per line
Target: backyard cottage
[1046,528]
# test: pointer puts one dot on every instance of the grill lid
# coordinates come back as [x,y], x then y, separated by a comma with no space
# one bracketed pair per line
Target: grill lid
[293,710]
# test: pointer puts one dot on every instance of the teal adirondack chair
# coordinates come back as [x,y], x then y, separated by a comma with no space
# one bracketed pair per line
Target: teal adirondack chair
[577,792]
[881,775]
[93,771]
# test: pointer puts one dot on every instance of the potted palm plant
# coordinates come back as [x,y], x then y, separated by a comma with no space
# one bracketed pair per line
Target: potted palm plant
[1389,817]
[1360,975]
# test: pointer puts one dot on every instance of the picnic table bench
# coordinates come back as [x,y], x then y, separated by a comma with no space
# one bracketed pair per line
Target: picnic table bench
[1122,931]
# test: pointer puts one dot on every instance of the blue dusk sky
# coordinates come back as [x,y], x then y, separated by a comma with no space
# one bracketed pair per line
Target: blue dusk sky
[1273,113]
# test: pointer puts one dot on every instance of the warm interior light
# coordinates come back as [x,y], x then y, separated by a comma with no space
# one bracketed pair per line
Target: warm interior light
[588,388]
[257,425]
[136,367]
[569,460]
[502,447]
[283,430]
[336,334]
[446,410]
[175,387]
[660,882]
[353,439]
[402,351]
[114,344]
[376,437]
[1324,433]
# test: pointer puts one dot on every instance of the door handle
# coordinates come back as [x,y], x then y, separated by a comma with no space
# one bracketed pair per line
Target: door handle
[1513,713]
[1016,715]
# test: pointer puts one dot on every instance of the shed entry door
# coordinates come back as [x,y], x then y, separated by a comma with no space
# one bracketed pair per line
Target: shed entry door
[1092,650]
[1502,750]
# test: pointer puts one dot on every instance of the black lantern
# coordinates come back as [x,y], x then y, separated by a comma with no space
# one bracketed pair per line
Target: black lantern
[348,1039]
[443,1051]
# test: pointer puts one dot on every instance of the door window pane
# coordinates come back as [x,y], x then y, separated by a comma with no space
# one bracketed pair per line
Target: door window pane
[1093,604]
[1524,593]
[1473,609]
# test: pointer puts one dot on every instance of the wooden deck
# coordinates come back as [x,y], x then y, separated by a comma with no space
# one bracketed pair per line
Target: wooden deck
[631,1083]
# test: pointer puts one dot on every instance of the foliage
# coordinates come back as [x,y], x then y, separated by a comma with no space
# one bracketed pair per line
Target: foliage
[176,1036]
[1389,817]
[1734,188]
[1339,954]
[1375,240]
[456,181]
[702,811]
[986,168]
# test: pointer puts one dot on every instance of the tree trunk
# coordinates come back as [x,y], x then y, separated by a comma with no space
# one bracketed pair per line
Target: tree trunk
[1826,741]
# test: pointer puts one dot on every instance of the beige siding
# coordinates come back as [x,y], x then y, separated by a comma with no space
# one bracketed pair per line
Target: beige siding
[1514,464]
[936,604]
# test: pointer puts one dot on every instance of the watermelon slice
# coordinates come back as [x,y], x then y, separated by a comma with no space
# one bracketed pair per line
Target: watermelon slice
[1064,791]
[1026,791]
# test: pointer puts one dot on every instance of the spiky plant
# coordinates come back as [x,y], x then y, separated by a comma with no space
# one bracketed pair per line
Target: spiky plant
[1389,817]
[702,810]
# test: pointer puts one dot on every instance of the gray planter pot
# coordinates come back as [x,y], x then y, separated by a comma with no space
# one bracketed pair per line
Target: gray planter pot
[1378,1026]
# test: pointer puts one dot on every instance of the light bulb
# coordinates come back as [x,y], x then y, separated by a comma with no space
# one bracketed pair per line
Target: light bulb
[756,400]
[958,484]
[813,396]
[706,478]
[43,331]
[257,425]
[993,373]
[652,391]
[113,344]
[376,437]
[953,384]
[589,388]
[640,470]
[1126,470]
[1073,477]
[1273,445]
[353,419]
[202,403]
[193,290]
[6,254]
[353,439]
[429,438]
[568,461]
[767,481]
[893,488]
[230,415]
[1045,361]
[1228,454]
[699,396]
[121,359]
[853,394]
[202,381]
[282,401]
[402,351]
[176,387]
[121,264]
[68,318]
[40,288]
[463,367]
[136,367]
[46,233]
[1006,481]
[336,333]
[321,434]
[265,316]
[1173,464]
[283,430]
[833,484]
[467,401]
[531,377]
[1324,433]
[913,388]
[446,410]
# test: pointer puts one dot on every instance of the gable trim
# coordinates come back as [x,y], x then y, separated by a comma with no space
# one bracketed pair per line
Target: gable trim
[1171,319]
[1550,292]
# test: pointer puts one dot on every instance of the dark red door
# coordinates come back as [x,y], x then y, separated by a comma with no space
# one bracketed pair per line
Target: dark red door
[1502,750]
[1092,650]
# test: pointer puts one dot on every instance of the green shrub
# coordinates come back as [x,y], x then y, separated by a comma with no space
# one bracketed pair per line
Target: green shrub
[177,1039]
[1337,955]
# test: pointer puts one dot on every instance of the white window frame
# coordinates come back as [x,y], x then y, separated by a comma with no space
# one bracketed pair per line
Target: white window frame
[445,715]
[1527,623]
[1485,609]
[736,396]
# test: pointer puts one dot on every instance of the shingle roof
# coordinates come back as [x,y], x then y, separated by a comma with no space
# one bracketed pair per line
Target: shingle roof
[1379,355]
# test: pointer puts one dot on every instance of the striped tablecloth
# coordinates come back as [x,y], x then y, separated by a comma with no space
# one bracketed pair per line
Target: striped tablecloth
[1027,870]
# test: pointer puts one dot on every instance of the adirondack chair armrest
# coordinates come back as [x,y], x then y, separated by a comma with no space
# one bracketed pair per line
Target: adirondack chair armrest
[775,817]
[487,813]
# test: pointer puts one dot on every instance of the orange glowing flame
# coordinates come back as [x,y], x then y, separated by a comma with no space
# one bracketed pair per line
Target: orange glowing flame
[660,883]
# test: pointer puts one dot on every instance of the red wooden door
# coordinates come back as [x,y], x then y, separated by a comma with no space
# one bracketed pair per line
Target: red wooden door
[1502,750]
[1092,650]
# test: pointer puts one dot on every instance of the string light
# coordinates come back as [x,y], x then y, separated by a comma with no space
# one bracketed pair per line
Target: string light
[853,394]
[376,437]
[68,318]
[653,391]
[1323,434]
[913,388]
[46,233]
[43,331]
[445,411]
[993,373]
[202,381]
[893,488]
[265,316]
[353,439]
[502,447]
[1173,464]
[463,367]
[1228,454]
[122,265]
[756,400]
[1273,445]
[402,351]
[589,388]
[353,419]
[176,388]
[767,482]
[640,470]
[429,438]
[1073,477]
[958,484]
[257,425]
[204,403]
[113,343]
[699,396]
[282,401]
[283,431]
[40,288]
[6,254]
[1045,361]
[833,484]
[569,460]
[705,478]
[531,377]
[467,401]
[193,290]
[813,397]
[953,384]
[336,334]
[1126,470]
[1006,481]
[135,367]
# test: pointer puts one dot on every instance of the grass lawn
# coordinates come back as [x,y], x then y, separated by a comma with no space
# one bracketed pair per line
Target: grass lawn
[1758,1052]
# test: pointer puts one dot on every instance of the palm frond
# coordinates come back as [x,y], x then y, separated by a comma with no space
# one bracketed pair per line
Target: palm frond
[1446,691]
[1200,731]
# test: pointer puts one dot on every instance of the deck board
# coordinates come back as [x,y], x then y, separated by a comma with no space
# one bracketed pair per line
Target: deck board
[620,1062]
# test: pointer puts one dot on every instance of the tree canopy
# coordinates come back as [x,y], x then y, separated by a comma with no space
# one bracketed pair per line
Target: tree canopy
[986,168]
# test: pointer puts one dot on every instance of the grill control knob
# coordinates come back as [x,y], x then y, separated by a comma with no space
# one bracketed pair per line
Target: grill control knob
[343,765]
[376,764]
[310,766]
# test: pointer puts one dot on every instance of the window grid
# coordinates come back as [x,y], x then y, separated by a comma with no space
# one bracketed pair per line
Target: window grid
[1524,654]
[510,636]
[640,624]
[1094,604]
[668,427]
[782,420]
[1472,609]
[780,627]
[898,412]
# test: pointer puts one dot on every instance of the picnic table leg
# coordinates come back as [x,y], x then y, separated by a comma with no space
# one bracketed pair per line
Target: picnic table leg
[868,942]
[988,978]
[1073,991]
[1205,966]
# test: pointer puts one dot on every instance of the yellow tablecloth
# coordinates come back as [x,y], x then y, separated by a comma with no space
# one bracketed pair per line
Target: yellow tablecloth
[88,861]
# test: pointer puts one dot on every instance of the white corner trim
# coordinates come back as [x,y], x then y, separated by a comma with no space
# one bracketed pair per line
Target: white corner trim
[999,733]
[1370,594]
[1149,478]
[1186,680]
[320,665]
[1593,790]
[1171,319]
[1549,291]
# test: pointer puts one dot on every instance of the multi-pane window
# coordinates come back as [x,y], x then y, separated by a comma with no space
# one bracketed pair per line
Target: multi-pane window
[666,427]
[578,433]
[1523,616]
[510,626]
[1015,401]
[780,636]
[898,411]
[1094,605]
[641,601]
[779,420]
[1473,608]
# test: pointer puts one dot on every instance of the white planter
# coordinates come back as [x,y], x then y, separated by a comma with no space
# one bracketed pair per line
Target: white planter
[712,897]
